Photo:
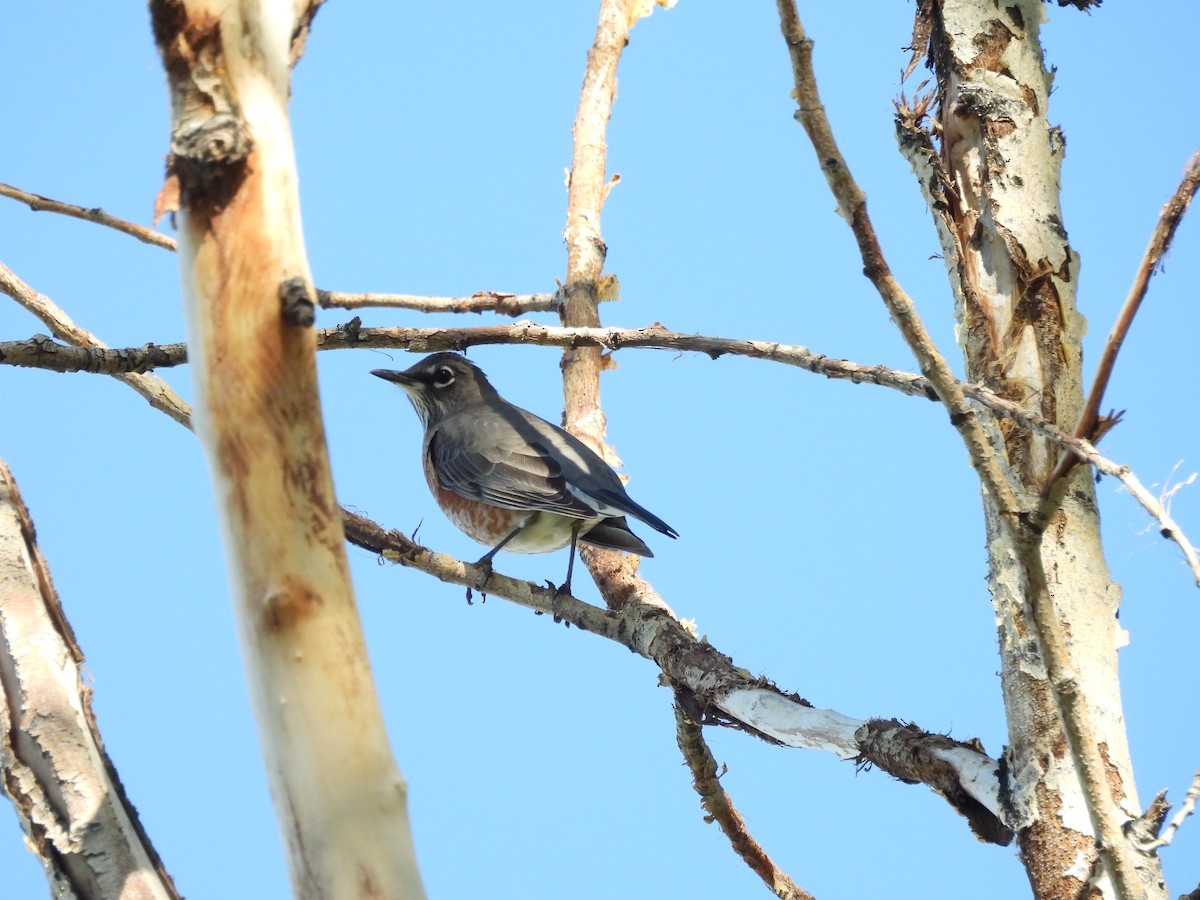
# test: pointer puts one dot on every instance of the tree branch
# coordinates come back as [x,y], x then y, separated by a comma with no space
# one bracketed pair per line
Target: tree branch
[720,808]
[852,206]
[41,352]
[1160,242]
[638,620]
[584,286]
[44,204]
[482,301]
[156,391]
[1186,809]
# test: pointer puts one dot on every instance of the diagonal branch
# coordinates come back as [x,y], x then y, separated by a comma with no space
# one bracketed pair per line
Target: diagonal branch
[636,619]
[153,388]
[720,808]
[1185,809]
[44,204]
[53,765]
[1160,242]
[852,206]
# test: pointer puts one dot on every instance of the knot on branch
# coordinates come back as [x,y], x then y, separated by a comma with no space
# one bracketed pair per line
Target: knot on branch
[207,155]
[906,752]
[297,301]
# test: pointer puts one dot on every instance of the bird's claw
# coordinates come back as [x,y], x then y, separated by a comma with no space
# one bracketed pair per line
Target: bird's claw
[563,590]
[485,566]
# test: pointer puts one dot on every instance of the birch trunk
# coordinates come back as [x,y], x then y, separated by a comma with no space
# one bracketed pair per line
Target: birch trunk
[340,800]
[1015,277]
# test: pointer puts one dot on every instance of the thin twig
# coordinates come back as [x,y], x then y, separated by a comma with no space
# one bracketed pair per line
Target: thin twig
[153,388]
[1160,242]
[482,301]
[44,204]
[852,205]
[720,808]
[1185,809]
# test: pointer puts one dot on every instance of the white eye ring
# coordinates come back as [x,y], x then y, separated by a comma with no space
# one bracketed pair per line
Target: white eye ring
[443,377]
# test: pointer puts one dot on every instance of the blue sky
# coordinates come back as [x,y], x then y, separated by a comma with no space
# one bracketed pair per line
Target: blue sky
[830,534]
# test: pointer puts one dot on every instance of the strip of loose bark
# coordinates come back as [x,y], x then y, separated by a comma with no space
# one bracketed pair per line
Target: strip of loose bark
[720,808]
[44,204]
[339,797]
[88,836]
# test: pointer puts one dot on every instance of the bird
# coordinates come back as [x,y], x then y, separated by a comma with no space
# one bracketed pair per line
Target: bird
[508,478]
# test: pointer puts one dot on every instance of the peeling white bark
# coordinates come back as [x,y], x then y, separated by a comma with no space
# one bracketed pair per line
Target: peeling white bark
[795,725]
[52,763]
[1015,278]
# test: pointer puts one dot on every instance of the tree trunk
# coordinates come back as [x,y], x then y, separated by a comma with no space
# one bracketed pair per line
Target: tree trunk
[1015,278]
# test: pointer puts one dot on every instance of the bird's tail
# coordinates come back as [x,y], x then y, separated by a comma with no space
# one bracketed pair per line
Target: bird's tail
[614,534]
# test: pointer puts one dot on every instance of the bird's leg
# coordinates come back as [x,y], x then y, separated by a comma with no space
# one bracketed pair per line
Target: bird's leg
[485,562]
[566,585]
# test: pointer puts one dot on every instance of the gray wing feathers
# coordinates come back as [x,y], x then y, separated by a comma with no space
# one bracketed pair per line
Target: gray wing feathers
[503,457]
[511,479]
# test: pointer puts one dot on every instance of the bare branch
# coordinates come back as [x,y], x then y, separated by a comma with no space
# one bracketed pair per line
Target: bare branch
[719,806]
[40,352]
[482,301]
[638,620]
[1185,809]
[852,206]
[1160,242]
[156,391]
[100,217]
[585,285]
[88,837]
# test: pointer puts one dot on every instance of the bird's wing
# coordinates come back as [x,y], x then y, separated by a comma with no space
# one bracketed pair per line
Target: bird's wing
[588,476]
[505,473]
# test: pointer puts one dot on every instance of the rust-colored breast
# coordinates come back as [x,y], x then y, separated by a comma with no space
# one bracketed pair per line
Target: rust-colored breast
[480,521]
[489,525]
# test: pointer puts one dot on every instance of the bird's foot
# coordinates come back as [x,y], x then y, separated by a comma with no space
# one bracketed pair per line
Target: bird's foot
[563,590]
[485,566]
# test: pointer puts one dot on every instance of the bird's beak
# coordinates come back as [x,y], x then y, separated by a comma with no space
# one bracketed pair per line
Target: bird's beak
[401,378]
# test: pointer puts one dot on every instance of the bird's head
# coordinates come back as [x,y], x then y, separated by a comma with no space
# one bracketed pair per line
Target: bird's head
[440,384]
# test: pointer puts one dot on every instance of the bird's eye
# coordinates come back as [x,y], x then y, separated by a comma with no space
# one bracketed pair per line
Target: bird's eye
[443,377]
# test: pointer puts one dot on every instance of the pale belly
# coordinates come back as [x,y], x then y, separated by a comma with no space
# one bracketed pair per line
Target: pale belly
[543,532]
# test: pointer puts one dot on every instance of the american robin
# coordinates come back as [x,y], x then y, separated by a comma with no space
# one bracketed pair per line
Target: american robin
[509,479]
